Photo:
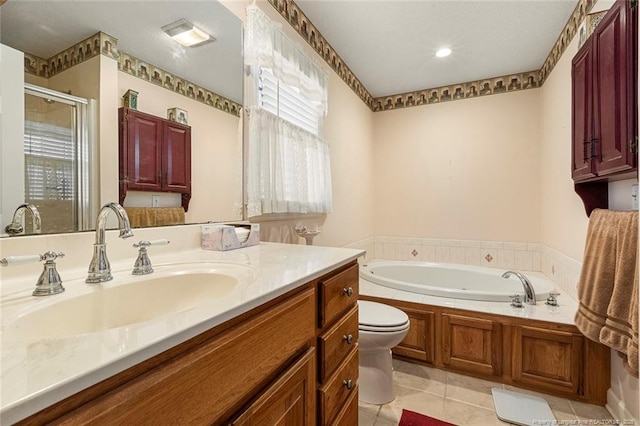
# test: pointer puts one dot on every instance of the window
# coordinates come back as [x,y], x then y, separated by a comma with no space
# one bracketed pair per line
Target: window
[286,101]
[49,154]
[288,167]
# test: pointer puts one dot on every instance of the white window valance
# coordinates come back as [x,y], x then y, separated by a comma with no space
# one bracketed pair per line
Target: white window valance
[266,46]
[289,169]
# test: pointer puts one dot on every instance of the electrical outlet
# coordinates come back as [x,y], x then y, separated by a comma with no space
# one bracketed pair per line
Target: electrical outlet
[634,197]
[155,201]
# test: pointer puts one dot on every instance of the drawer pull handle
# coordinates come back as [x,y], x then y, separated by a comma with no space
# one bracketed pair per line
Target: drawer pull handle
[348,338]
[347,291]
[348,384]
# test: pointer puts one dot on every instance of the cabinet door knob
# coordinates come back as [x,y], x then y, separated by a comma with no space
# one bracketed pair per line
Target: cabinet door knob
[348,384]
[348,338]
[347,291]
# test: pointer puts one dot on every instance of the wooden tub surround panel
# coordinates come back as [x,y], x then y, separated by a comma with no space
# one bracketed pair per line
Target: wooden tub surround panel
[537,355]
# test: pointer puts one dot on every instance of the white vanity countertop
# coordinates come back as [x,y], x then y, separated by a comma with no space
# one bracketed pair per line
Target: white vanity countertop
[36,374]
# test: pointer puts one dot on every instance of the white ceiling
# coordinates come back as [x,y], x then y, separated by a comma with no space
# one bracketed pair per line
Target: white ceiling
[47,27]
[390,45]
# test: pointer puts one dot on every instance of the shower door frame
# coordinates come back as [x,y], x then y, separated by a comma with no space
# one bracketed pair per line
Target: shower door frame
[87,170]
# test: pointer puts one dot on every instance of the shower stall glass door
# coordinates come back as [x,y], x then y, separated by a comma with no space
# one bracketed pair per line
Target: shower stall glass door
[57,159]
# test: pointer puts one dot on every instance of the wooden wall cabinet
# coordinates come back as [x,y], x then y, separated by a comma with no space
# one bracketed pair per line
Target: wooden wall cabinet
[154,155]
[532,354]
[604,106]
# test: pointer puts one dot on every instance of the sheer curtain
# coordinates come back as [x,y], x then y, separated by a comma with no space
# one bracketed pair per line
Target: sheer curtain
[288,169]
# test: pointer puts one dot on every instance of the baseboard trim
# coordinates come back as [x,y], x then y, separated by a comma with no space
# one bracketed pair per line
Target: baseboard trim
[618,409]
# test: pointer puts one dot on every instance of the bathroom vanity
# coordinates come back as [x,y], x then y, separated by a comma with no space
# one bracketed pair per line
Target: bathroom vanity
[286,350]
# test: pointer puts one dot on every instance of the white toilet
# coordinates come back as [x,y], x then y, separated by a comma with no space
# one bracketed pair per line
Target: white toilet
[381,327]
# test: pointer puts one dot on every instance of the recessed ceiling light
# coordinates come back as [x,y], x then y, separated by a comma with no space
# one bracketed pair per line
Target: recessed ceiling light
[187,34]
[443,52]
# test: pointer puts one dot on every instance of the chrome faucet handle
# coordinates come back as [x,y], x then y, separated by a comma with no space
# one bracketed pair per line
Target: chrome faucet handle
[143,263]
[552,300]
[49,281]
[515,301]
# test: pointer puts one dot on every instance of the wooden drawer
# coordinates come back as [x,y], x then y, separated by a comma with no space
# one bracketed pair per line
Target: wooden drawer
[337,293]
[348,416]
[213,380]
[336,342]
[333,395]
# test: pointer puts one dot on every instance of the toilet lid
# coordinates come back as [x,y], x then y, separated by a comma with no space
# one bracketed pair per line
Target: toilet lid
[376,316]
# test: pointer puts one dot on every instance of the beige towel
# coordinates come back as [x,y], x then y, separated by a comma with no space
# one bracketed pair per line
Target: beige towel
[608,286]
[141,217]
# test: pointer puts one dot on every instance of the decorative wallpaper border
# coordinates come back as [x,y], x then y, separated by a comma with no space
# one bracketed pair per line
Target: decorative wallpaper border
[299,21]
[72,56]
[148,72]
[454,92]
[292,13]
[107,45]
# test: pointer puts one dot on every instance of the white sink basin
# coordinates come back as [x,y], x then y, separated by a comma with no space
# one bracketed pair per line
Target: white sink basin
[126,300]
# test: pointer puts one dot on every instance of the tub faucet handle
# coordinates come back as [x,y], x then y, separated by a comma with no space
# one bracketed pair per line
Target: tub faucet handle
[552,300]
[515,301]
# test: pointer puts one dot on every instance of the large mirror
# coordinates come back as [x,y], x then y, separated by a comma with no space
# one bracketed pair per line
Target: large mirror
[97,51]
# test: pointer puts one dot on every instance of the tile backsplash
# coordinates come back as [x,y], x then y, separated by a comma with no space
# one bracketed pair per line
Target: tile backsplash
[521,256]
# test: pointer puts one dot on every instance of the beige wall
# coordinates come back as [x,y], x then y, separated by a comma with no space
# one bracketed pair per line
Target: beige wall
[564,221]
[463,170]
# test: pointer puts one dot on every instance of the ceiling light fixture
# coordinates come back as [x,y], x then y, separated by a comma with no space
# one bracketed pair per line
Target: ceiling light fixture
[443,52]
[187,34]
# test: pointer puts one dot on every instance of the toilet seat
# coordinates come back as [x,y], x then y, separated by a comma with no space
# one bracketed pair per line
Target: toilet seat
[376,317]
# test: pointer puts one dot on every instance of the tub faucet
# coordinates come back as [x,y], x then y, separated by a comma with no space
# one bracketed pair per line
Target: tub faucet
[15,227]
[529,292]
[99,268]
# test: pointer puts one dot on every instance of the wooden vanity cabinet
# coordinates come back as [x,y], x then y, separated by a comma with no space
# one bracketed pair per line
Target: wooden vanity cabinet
[271,365]
[154,155]
[262,363]
[338,346]
[604,106]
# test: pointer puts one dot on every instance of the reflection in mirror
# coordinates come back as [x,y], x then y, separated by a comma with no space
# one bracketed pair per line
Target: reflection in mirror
[98,51]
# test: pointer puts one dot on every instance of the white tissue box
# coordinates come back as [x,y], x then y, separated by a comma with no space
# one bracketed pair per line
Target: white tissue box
[224,237]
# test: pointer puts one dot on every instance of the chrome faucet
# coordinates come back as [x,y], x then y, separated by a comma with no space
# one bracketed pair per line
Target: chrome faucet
[529,292]
[15,227]
[99,268]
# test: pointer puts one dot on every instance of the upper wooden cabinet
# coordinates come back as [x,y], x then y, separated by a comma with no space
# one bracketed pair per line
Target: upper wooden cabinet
[604,106]
[155,155]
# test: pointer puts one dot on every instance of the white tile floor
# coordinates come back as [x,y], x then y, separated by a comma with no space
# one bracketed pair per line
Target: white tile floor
[458,399]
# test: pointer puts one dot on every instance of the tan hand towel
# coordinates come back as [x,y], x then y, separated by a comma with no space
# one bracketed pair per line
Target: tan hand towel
[141,217]
[607,289]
